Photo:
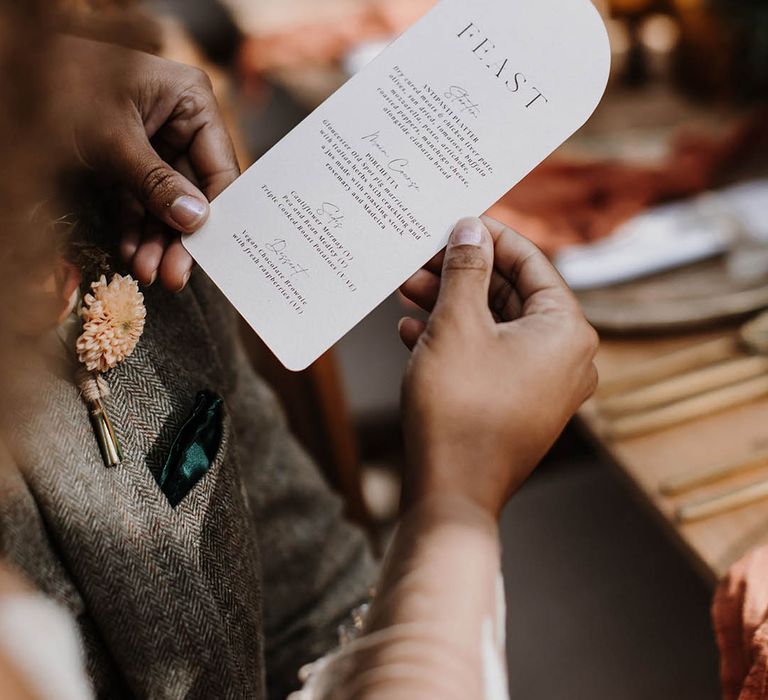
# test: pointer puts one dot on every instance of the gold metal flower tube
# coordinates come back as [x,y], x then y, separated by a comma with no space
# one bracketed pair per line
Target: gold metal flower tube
[105,435]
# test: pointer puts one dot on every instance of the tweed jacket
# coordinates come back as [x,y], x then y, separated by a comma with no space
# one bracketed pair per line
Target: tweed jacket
[226,595]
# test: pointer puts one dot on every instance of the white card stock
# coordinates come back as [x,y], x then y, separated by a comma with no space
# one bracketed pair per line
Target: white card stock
[363,192]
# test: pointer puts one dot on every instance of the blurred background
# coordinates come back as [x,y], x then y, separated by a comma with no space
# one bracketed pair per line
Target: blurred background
[656,212]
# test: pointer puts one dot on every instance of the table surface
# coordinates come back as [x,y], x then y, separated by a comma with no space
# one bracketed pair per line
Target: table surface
[714,544]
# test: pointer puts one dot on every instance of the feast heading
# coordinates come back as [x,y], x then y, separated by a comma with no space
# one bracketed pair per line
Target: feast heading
[514,81]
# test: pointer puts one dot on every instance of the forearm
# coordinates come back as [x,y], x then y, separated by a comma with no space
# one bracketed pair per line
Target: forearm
[433,630]
[444,556]
[439,599]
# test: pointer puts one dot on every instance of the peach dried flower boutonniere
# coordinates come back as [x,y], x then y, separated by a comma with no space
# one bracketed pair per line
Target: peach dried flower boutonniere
[113,317]
[113,320]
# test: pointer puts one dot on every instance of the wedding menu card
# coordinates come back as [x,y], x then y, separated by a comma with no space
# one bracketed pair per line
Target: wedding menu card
[356,198]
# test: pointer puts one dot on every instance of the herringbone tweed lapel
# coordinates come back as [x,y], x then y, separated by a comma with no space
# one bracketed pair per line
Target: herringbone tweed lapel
[174,594]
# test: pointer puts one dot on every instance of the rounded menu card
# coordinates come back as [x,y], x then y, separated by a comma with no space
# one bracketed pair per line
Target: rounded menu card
[366,189]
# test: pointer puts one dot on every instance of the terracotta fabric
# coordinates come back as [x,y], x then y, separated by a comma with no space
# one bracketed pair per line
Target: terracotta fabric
[327,42]
[563,203]
[740,617]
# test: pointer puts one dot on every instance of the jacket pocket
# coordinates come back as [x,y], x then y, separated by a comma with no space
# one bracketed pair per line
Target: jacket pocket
[197,449]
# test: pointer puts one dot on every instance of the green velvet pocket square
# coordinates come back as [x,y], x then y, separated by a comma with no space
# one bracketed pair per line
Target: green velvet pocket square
[194,448]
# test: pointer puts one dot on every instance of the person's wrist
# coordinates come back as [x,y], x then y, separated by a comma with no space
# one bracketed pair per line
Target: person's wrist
[440,511]
[442,505]
[476,479]
[436,537]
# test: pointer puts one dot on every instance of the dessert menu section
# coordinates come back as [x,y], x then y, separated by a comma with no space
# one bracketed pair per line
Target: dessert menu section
[445,121]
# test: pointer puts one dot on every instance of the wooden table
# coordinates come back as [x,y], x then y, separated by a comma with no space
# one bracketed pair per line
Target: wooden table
[715,543]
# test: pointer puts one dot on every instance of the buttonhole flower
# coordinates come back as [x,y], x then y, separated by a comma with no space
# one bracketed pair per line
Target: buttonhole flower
[113,317]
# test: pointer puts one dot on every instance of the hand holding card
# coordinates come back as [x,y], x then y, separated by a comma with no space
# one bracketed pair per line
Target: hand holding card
[491,383]
[364,191]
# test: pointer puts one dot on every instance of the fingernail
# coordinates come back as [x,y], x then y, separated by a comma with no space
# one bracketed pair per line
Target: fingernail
[188,211]
[184,280]
[468,232]
[152,278]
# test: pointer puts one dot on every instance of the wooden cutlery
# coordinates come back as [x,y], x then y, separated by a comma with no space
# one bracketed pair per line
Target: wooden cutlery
[684,483]
[688,384]
[722,503]
[692,383]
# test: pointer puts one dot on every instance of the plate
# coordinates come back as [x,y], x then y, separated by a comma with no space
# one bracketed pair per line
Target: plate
[694,297]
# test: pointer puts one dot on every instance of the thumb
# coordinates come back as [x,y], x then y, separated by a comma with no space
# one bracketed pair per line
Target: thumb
[466,272]
[164,192]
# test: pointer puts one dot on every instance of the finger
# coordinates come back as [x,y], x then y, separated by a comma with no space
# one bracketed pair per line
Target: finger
[435,265]
[503,299]
[213,158]
[410,330]
[466,273]
[171,156]
[182,165]
[150,253]
[539,285]
[163,191]
[197,130]
[422,289]
[176,266]
[129,243]
[132,217]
